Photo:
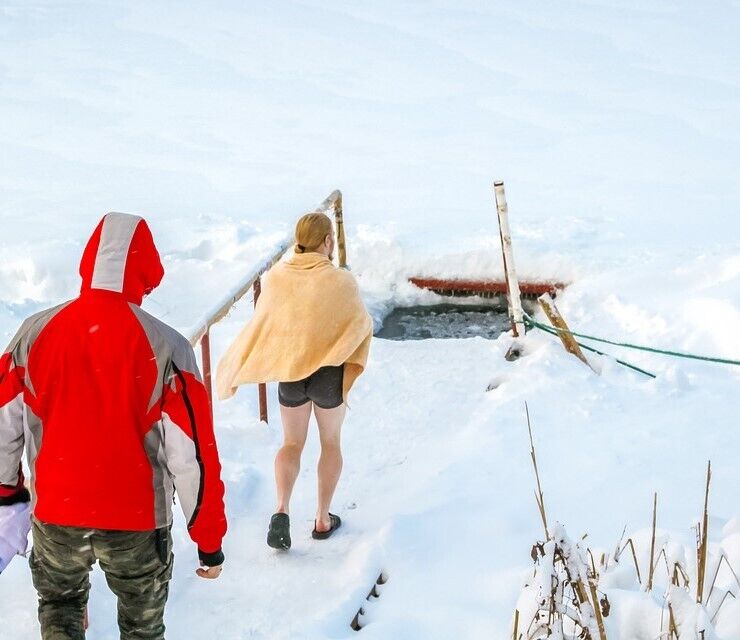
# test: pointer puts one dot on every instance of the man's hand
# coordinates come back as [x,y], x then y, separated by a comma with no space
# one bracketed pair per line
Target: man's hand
[210,573]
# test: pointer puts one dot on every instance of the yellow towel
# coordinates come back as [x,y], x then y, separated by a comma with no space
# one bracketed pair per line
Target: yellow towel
[309,315]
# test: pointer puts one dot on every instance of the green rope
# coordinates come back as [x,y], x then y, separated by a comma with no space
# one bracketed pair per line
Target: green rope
[627,345]
[529,320]
[553,331]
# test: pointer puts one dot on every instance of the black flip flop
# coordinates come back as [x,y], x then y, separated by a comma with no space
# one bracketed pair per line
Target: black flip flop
[278,537]
[335,521]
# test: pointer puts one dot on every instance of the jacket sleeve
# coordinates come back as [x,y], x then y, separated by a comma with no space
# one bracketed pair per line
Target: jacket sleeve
[192,455]
[12,489]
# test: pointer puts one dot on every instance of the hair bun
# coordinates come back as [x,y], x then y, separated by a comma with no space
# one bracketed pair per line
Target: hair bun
[311,231]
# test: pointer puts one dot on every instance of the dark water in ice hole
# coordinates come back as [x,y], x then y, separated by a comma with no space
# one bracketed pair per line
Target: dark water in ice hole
[445,321]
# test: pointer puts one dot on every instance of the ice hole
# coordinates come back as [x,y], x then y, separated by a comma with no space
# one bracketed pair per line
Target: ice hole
[446,320]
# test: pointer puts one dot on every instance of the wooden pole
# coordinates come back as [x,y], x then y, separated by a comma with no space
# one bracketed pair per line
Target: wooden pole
[557,321]
[341,243]
[512,283]
[262,387]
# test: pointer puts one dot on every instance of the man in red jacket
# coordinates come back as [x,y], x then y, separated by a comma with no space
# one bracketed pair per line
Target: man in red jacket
[109,403]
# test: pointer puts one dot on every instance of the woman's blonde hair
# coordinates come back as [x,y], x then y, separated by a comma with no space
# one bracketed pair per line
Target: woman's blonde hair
[311,231]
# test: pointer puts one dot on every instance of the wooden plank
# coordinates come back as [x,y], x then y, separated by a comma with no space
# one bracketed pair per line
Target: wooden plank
[557,321]
[528,288]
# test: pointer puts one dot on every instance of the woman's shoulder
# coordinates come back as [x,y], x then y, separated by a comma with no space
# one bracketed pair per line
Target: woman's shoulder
[281,267]
[345,278]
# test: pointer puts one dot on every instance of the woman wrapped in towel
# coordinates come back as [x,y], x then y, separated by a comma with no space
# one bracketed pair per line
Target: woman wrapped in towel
[310,333]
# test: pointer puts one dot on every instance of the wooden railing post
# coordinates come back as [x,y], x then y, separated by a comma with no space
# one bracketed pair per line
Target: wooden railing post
[262,387]
[341,243]
[205,352]
[334,202]
[512,282]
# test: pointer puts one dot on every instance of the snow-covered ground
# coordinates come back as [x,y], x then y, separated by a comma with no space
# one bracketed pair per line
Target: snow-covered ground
[438,486]
[615,127]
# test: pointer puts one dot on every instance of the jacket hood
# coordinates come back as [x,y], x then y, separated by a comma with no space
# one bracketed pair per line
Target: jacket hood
[121,257]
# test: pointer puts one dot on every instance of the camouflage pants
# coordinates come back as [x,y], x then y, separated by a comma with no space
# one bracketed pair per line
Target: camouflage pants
[137,567]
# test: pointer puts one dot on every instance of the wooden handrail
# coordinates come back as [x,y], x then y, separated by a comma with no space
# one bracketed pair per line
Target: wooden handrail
[223,307]
[253,281]
[330,200]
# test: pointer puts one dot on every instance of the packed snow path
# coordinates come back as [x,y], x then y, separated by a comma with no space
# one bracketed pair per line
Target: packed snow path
[316,588]
[390,453]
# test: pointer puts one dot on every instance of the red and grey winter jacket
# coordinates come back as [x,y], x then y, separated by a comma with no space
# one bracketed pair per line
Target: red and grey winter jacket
[110,405]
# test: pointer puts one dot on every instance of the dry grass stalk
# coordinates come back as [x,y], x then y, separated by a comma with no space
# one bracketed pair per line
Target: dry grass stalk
[581,591]
[672,628]
[678,569]
[576,571]
[678,572]
[704,541]
[569,588]
[662,614]
[723,557]
[564,609]
[539,497]
[722,602]
[665,560]
[597,610]
[593,563]
[620,547]
[515,635]
[652,544]
[630,543]
[713,583]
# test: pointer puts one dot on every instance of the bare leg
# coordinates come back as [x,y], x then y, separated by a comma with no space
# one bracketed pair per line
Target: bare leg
[330,462]
[288,459]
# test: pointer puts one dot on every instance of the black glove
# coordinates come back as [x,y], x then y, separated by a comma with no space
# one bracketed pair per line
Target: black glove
[22,495]
[211,559]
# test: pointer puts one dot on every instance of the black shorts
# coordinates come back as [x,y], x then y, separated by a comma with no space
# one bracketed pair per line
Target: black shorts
[323,387]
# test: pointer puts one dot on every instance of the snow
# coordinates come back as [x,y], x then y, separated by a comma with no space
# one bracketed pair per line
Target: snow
[614,125]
